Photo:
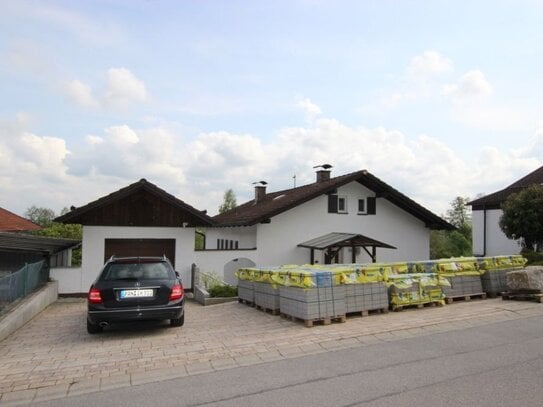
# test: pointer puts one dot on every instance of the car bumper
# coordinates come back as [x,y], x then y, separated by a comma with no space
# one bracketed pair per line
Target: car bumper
[96,316]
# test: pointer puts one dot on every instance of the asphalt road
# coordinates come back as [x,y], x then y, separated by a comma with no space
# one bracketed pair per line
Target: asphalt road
[492,365]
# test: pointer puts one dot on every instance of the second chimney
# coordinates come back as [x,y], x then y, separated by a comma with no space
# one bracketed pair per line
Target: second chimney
[323,175]
[260,192]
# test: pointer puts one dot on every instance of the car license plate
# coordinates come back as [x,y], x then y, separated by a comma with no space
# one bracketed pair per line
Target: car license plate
[136,293]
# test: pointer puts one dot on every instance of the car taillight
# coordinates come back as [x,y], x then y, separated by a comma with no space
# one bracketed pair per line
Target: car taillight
[177,292]
[94,296]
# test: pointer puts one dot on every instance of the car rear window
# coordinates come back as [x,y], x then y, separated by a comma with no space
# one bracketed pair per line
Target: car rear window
[139,271]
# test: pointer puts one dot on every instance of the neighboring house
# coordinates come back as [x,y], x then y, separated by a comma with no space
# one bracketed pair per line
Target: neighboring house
[9,222]
[488,238]
[18,248]
[351,218]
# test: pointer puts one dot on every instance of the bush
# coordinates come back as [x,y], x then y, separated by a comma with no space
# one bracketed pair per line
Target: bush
[223,291]
[534,258]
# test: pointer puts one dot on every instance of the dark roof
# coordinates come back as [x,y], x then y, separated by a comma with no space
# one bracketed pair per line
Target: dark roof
[494,200]
[274,203]
[36,244]
[9,222]
[94,212]
[336,239]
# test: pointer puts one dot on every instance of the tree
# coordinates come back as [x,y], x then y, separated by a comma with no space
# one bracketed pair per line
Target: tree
[446,243]
[229,201]
[522,217]
[40,216]
[45,218]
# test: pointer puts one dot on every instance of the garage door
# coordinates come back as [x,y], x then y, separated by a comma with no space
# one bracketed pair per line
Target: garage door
[140,247]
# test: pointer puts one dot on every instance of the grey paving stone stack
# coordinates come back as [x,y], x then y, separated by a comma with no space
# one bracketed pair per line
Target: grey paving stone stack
[313,303]
[246,291]
[266,296]
[495,281]
[462,286]
[366,297]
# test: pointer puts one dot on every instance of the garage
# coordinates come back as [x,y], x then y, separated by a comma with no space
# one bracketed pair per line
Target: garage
[140,247]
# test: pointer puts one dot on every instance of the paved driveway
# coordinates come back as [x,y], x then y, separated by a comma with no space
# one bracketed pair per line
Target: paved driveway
[53,356]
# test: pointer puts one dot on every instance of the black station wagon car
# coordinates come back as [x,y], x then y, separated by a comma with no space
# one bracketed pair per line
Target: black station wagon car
[135,289]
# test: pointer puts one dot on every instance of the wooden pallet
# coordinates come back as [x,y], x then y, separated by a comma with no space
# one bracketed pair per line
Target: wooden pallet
[310,322]
[450,300]
[523,296]
[246,302]
[397,308]
[368,312]
[268,310]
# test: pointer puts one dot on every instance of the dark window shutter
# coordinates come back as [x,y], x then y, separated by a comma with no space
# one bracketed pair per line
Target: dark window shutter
[371,205]
[332,203]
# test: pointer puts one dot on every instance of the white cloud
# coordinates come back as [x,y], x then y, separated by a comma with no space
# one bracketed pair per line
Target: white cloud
[311,110]
[40,170]
[81,94]
[429,63]
[123,88]
[471,84]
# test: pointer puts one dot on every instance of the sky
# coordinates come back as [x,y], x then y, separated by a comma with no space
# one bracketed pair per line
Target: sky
[438,99]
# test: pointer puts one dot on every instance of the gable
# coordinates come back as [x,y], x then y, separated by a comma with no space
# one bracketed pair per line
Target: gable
[275,203]
[9,222]
[139,204]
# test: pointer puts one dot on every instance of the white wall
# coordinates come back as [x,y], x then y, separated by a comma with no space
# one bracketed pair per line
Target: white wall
[277,240]
[69,279]
[246,236]
[496,242]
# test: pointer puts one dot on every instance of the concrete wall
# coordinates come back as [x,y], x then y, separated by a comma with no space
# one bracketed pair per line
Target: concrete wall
[246,236]
[29,307]
[496,242]
[70,280]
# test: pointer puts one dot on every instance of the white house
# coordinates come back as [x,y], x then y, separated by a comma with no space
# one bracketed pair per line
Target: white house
[350,218]
[488,238]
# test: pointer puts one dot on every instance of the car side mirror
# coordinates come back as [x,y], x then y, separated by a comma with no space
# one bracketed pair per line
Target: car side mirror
[177,274]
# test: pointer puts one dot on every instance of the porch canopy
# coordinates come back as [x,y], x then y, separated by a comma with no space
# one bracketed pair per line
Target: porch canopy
[333,242]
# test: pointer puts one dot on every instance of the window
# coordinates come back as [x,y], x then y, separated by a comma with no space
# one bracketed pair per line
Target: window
[337,204]
[342,204]
[366,206]
[361,206]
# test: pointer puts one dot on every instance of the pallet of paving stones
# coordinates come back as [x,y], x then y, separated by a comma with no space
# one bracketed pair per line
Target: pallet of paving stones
[494,282]
[266,297]
[360,299]
[246,292]
[536,296]
[463,286]
[312,304]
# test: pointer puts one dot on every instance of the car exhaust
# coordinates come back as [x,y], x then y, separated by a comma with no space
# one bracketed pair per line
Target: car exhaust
[103,324]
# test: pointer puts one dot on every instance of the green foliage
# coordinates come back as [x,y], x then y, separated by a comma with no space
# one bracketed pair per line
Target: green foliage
[229,201]
[223,291]
[522,217]
[199,239]
[455,243]
[534,258]
[44,217]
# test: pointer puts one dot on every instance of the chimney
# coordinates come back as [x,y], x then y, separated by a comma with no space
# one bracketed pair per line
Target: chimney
[260,190]
[323,174]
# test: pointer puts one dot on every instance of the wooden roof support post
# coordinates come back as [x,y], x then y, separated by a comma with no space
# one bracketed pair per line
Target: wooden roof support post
[353,257]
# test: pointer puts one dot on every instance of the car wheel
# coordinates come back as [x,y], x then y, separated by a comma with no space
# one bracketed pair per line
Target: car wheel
[178,321]
[93,328]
